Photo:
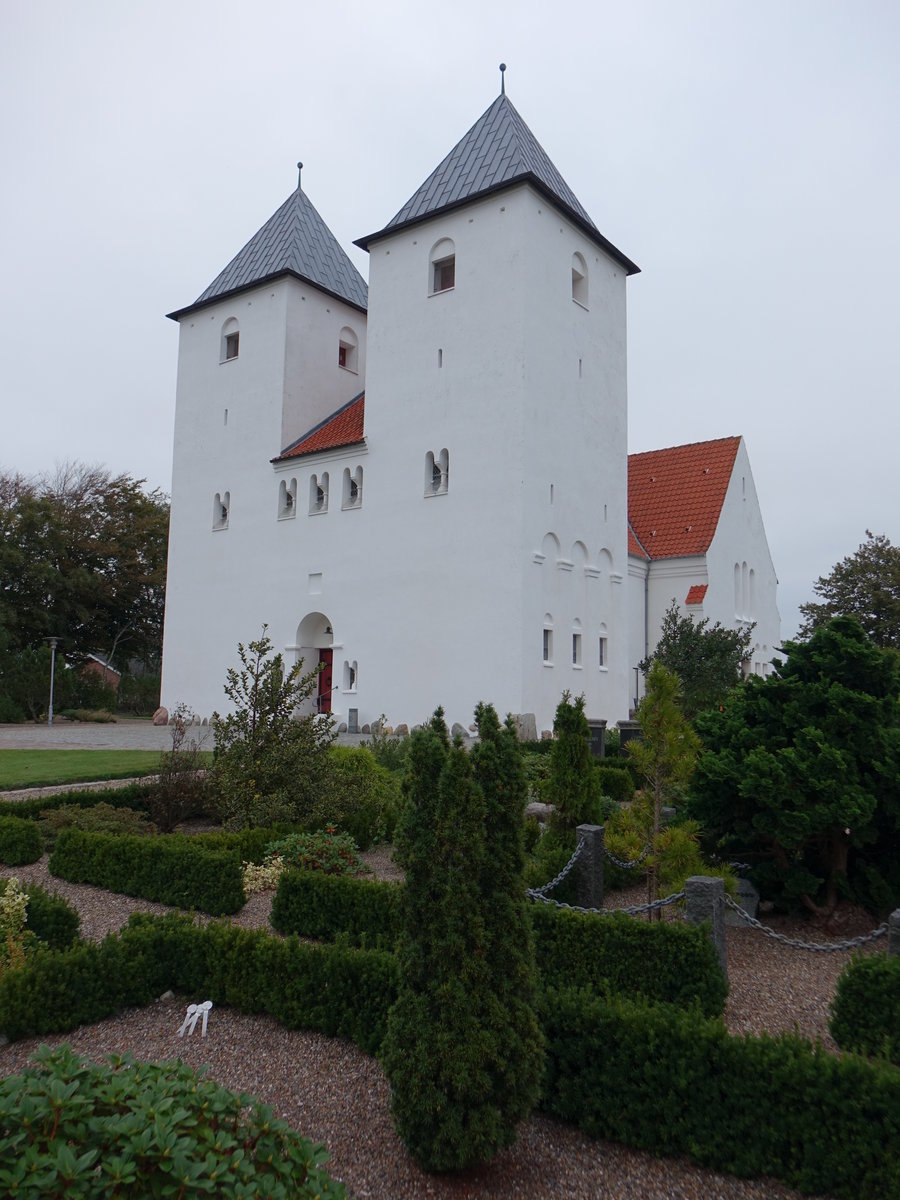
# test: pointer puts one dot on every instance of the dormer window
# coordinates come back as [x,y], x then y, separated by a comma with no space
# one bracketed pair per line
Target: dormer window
[348,349]
[443,267]
[231,341]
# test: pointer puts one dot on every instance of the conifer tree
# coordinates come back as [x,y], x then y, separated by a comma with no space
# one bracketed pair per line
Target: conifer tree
[463,1055]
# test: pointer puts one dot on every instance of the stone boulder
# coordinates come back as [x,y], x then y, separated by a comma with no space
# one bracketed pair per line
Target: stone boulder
[525,726]
[402,730]
[161,716]
[459,729]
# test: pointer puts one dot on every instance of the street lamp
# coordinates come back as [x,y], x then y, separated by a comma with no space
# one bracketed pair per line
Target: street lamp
[53,642]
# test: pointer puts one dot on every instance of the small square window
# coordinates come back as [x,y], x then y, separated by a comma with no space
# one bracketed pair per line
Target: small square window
[232,344]
[445,274]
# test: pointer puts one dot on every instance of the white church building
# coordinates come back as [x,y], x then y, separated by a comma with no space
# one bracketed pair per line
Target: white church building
[423,485]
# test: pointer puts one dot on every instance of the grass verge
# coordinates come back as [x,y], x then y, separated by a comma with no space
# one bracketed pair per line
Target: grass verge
[43,768]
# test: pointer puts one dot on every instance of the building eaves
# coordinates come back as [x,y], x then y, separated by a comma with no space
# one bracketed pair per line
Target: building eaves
[498,152]
[344,427]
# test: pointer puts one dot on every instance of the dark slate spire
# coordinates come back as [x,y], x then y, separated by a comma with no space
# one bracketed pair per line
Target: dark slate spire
[498,151]
[295,241]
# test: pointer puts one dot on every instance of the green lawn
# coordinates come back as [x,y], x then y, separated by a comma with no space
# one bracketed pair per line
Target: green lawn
[41,768]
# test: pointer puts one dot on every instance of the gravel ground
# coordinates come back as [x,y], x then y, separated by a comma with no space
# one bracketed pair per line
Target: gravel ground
[335,1094]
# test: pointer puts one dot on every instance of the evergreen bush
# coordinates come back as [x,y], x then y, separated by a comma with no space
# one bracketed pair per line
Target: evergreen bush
[133,795]
[615,782]
[51,919]
[94,818]
[20,842]
[174,869]
[77,1128]
[327,907]
[865,1011]
[462,1056]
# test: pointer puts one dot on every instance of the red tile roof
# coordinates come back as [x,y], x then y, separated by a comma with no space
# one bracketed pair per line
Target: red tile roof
[696,592]
[634,546]
[675,496]
[346,427]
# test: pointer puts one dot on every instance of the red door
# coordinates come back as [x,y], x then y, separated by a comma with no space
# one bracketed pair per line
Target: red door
[323,699]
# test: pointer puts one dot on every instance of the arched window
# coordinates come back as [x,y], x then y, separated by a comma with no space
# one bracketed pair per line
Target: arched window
[318,493]
[348,350]
[437,473]
[350,675]
[579,280]
[287,499]
[231,341]
[352,488]
[221,508]
[442,267]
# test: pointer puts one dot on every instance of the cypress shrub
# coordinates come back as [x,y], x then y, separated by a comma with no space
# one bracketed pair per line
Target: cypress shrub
[171,869]
[20,842]
[463,1069]
[865,1012]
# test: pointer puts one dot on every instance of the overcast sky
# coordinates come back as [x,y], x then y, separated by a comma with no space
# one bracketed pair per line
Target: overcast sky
[745,155]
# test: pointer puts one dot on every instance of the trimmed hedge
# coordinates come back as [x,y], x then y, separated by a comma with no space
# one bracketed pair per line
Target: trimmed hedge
[50,918]
[667,962]
[327,907]
[615,782]
[865,1012]
[172,869]
[662,961]
[651,1076]
[332,989]
[134,795]
[671,1082]
[20,842]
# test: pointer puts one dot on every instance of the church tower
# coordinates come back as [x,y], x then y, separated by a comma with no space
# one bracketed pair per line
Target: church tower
[275,344]
[496,407]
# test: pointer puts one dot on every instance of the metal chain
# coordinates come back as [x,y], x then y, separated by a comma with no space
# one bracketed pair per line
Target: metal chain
[801,945]
[605,912]
[541,892]
[628,866]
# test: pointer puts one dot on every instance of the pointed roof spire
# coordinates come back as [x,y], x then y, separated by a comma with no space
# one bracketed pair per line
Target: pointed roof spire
[497,152]
[294,241]
[503,79]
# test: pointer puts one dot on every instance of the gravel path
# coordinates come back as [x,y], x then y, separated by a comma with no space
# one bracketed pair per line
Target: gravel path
[335,1094]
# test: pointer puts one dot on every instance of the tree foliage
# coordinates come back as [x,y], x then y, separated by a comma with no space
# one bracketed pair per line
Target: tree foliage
[572,784]
[665,755]
[83,558]
[707,660]
[801,771]
[463,1051]
[865,585]
[270,764]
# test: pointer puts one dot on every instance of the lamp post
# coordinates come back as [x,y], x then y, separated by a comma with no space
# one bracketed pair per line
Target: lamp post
[52,642]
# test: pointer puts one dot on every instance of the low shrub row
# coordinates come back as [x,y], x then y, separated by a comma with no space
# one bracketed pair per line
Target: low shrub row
[663,961]
[133,795]
[50,918]
[332,989]
[865,1012]
[671,1082]
[652,1076]
[171,869]
[326,907]
[615,781]
[20,842]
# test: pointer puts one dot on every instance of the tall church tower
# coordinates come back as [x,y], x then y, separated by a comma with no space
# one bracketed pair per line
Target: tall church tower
[274,345]
[496,407]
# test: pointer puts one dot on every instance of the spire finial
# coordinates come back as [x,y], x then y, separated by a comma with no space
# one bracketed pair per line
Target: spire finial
[299,169]
[503,79]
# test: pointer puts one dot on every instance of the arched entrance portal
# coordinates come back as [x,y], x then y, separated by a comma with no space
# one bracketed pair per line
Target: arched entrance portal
[315,642]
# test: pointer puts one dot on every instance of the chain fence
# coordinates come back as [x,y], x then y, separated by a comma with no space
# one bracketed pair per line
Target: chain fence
[541,892]
[623,863]
[797,943]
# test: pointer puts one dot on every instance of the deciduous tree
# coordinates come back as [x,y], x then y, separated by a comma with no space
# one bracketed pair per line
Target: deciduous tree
[864,585]
[707,659]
